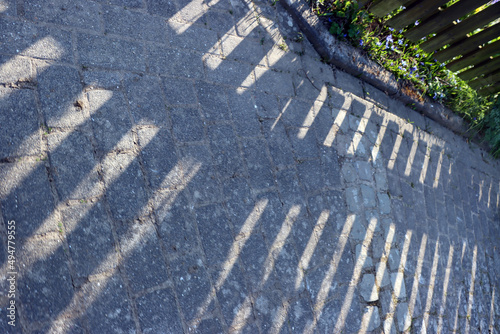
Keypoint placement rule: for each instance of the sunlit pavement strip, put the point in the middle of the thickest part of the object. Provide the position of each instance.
(192, 166)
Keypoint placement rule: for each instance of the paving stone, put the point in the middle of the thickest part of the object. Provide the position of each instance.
(266, 306)
(239, 203)
(310, 175)
(353, 199)
(229, 72)
(286, 271)
(166, 9)
(212, 325)
(258, 164)
(246, 25)
(187, 124)
(176, 222)
(267, 105)
(221, 21)
(107, 307)
(195, 13)
(303, 147)
(394, 185)
(349, 172)
(89, 238)
(289, 186)
(157, 311)
(159, 158)
(15, 69)
(213, 100)
(179, 91)
(394, 259)
(60, 89)
(255, 256)
(430, 203)
(403, 316)
(242, 49)
(8, 7)
(300, 316)
(384, 203)
(272, 82)
(279, 145)
(369, 199)
(97, 51)
(202, 179)
(364, 170)
(378, 246)
(19, 136)
(295, 113)
(193, 37)
(363, 257)
(192, 285)
(389, 327)
(330, 166)
(124, 22)
(125, 3)
(323, 122)
(289, 60)
(80, 13)
(368, 289)
(27, 186)
(333, 311)
(43, 282)
(348, 83)
(231, 292)
(145, 100)
(110, 121)
(140, 249)
(216, 236)
(382, 275)
(330, 280)
(371, 318)
(102, 79)
(242, 107)
(73, 325)
(69, 151)
(125, 186)
(398, 284)
(358, 230)
(171, 62)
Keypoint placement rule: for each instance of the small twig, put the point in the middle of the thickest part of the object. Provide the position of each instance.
(319, 90)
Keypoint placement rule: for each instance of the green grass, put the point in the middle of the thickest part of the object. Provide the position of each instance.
(413, 66)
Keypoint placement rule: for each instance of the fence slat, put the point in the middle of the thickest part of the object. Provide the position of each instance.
(459, 31)
(420, 11)
(382, 8)
(442, 19)
(469, 44)
(490, 89)
(475, 57)
(484, 68)
(362, 3)
(484, 81)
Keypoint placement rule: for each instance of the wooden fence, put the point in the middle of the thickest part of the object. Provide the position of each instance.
(450, 31)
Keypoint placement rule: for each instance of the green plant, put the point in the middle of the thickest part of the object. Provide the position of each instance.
(492, 125)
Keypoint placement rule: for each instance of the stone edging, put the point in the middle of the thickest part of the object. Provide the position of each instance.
(351, 60)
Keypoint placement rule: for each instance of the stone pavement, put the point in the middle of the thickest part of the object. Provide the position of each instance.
(192, 167)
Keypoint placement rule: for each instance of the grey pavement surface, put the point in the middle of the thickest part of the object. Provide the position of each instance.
(193, 167)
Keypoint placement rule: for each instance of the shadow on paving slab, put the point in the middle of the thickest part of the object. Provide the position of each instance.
(183, 167)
